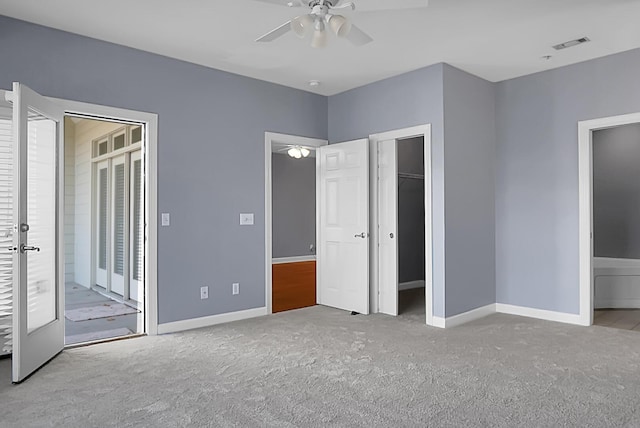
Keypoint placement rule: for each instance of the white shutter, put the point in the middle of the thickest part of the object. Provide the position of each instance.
(6, 239)
(119, 219)
(137, 221)
(102, 219)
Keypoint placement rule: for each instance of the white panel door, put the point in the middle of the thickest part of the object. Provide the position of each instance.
(388, 227)
(38, 276)
(343, 238)
(119, 225)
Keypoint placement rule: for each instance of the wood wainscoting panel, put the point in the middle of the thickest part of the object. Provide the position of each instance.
(293, 285)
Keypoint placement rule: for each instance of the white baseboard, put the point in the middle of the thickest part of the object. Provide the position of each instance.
(438, 322)
(522, 311)
(173, 327)
(539, 313)
(410, 285)
(464, 317)
(618, 304)
(294, 259)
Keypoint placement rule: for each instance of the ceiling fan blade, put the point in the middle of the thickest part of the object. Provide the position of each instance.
(358, 37)
(286, 3)
(366, 5)
(275, 33)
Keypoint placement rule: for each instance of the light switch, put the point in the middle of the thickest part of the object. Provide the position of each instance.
(166, 219)
(246, 219)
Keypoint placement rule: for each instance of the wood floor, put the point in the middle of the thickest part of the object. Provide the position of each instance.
(624, 319)
(294, 285)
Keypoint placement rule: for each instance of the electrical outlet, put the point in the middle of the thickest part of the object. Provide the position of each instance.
(235, 288)
(204, 292)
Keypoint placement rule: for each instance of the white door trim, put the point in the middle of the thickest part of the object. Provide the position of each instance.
(415, 131)
(585, 205)
(269, 139)
(150, 150)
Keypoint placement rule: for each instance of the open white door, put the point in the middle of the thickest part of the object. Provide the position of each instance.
(388, 227)
(343, 237)
(38, 278)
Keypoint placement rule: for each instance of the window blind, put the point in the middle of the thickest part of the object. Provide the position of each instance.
(6, 237)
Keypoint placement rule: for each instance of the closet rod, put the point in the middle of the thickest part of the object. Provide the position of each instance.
(410, 176)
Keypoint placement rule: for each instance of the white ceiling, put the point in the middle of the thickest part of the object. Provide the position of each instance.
(494, 39)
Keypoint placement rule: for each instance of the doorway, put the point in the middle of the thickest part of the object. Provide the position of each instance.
(609, 204)
(32, 182)
(104, 226)
(411, 228)
(401, 209)
(291, 200)
(342, 221)
(616, 227)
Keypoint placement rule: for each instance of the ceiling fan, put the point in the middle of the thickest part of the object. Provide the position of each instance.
(296, 151)
(321, 16)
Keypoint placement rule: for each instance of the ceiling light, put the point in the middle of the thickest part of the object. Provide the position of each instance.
(298, 152)
(300, 25)
(314, 83)
(294, 153)
(339, 25)
(319, 39)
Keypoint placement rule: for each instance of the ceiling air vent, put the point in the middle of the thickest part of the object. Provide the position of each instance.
(571, 43)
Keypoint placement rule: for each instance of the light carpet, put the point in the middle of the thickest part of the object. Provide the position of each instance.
(104, 310)
(323, 367)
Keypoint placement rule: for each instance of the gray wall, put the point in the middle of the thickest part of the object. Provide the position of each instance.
(470, 140)
(411, 211)
(402, 101)
(616, 192)
(537, 174)
(461, 110)
(293, 205)
(211, 152)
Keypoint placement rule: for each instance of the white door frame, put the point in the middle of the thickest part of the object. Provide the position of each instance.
(150, 152)
(270, 138)
(585, 205)
(415, 131)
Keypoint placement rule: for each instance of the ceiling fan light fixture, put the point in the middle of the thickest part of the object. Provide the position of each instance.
(319, 39)
(294, 152)
(298, 152)
(339, 25)
(300, 25)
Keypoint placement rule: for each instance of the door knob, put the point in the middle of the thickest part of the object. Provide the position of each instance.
(25, 248)
(362, 235)
(391, 235)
